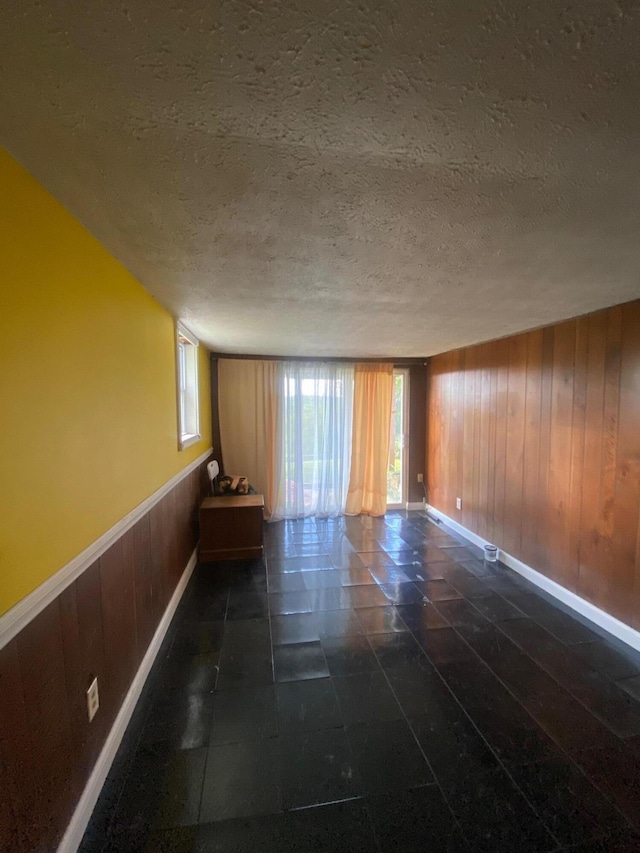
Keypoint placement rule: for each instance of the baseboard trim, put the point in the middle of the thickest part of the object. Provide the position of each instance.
(86, 804)
(601, 618)
(413, 505)
(14, 620)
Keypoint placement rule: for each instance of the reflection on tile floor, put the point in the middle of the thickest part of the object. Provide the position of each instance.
(373, 685)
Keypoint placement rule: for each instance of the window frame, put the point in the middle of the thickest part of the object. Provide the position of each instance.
(187, 387)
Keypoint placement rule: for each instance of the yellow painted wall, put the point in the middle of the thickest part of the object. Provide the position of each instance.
(88, 424)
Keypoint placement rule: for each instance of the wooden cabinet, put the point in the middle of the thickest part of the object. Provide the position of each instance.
(231, 528)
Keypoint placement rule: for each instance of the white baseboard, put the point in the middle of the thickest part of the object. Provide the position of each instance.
(14, 620)
(86, 804)
(463, 531)
(413, 505)
(599, 617)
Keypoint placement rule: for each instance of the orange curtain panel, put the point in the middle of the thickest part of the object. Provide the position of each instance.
(372, 401)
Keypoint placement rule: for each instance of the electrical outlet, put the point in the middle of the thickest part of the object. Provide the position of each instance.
(458, 503)
(93, 700)
(421, 478)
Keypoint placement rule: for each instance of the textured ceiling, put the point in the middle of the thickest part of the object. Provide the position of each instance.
(341, 178)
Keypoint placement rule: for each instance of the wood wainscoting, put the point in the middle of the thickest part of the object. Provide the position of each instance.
(539, 435)
(417, 431)
(100, 625)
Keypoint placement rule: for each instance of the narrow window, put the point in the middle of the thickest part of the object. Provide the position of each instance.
(187, 367)
(398, 441)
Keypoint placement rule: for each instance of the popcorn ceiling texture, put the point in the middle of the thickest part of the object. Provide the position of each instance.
(341, 178)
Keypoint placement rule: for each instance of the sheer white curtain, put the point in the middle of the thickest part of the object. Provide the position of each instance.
(314, 416)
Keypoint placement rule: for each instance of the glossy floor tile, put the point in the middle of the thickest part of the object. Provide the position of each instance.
(381, 620)
(567, 802)
(415, 821)
(388, 757)
(244, 714)
(317, 767)
(308, 705)
(283, 603)
(338, 623)
(299, 660)
(337, 826)
(373, 685)
(294, 628)
(349, 655)
(366, 697)
(241, 779)
(321, 580)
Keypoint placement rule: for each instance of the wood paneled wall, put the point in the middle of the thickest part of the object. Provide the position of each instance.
(417, 431)
(539, 434)
(215, 411)
(101, 625)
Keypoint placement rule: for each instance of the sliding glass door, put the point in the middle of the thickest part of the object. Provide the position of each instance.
(313, 446)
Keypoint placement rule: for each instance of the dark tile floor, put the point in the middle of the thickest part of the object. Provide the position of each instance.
(373, 685)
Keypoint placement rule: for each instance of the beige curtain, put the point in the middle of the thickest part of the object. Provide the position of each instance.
(372, 401)
(247, 403)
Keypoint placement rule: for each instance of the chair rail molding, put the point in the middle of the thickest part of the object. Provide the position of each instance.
(15, 619)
